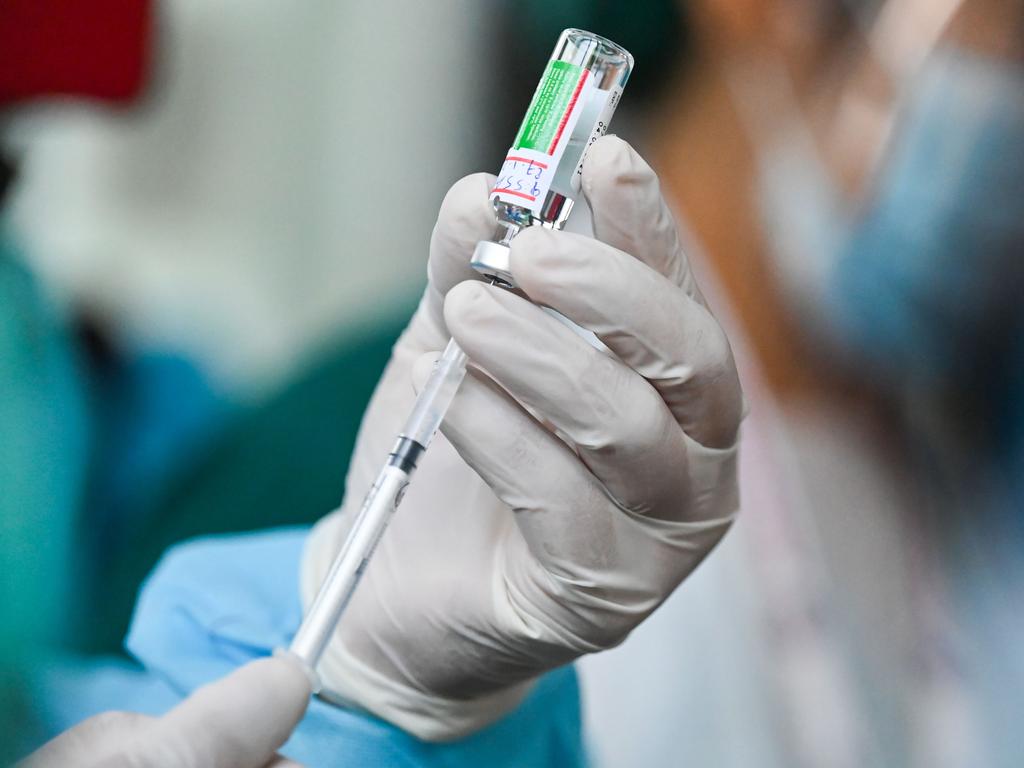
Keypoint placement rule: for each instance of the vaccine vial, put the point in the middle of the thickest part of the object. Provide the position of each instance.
(571, 108)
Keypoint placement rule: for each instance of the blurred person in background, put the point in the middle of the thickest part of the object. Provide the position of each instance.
(51, 50)
(44, 427)
(223, 269)
(852, 175)
(923, 302)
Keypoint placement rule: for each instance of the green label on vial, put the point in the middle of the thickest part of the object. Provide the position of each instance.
(552, 101)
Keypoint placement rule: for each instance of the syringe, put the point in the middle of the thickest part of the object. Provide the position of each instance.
(537, 185)
(383, 498)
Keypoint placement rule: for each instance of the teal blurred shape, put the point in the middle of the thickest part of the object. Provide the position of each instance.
(43, 460)
(279, 462)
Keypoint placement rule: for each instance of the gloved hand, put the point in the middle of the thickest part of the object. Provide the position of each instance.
(237, 722)
(572, 490)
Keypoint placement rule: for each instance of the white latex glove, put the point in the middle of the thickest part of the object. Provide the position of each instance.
(237, 722)
(517, 549)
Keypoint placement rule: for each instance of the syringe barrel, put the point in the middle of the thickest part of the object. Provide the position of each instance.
(436, 396)
(347, 569)
(378, 506)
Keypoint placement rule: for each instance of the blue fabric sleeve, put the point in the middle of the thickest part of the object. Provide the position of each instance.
(216, 603)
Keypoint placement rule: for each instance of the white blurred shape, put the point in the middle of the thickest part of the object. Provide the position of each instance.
(275, 187)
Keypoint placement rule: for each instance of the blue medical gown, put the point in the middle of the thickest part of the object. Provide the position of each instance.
(216, 603)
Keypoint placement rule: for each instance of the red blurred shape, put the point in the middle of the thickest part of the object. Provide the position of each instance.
(96, 49)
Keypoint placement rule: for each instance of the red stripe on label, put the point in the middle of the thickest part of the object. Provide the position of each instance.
(512, 192)
(526, 160)
(565, 117)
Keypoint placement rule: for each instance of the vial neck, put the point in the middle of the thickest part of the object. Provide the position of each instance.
(511, 229)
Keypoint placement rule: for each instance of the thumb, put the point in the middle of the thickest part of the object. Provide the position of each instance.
(237, 722)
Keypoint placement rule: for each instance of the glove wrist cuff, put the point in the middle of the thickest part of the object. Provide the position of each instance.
(349, 682)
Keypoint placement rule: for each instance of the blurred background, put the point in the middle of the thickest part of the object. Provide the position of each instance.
(215, 221)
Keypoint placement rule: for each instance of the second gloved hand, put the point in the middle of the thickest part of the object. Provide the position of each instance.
(236, 722)
(571, 491)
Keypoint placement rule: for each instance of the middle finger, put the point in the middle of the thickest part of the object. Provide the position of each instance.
(651, 323)
(617, 421)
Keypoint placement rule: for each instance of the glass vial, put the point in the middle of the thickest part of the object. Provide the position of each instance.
(571, 108)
